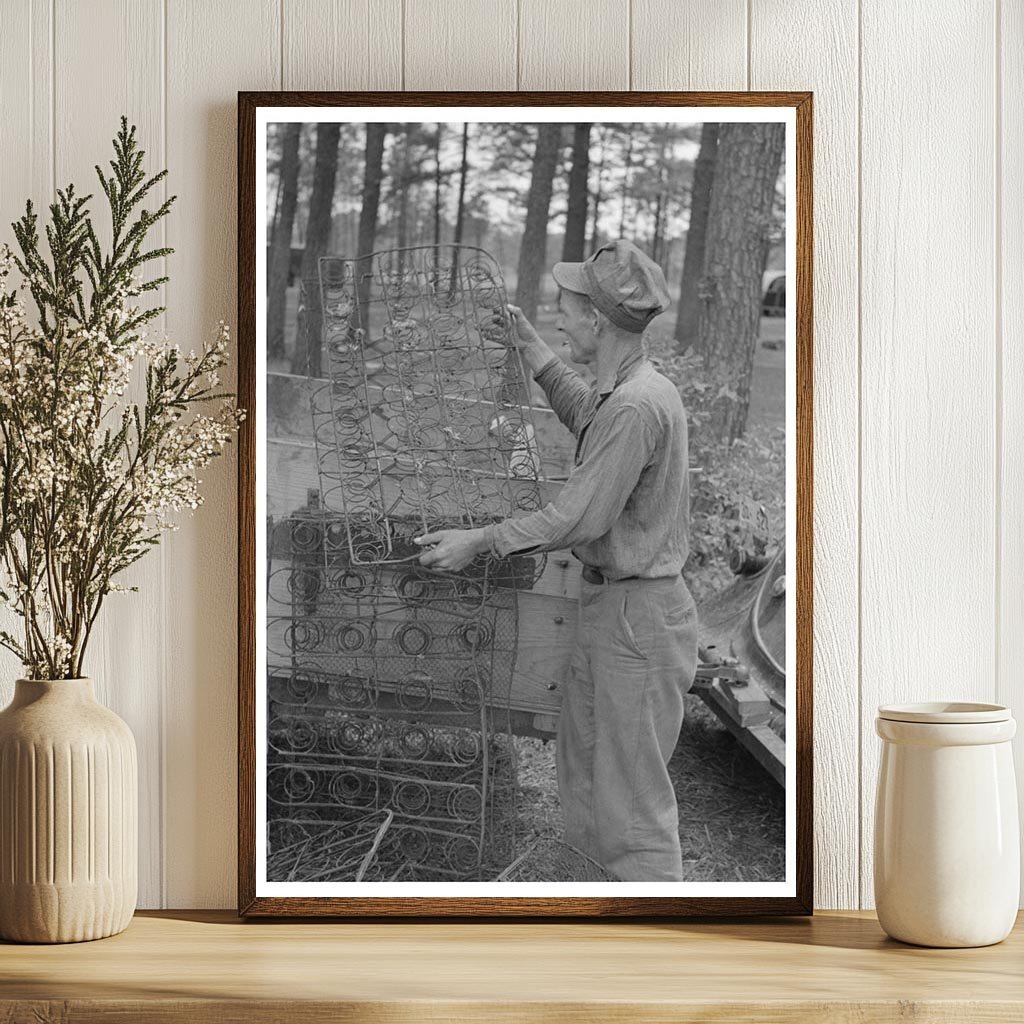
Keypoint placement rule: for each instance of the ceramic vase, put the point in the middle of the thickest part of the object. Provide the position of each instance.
(947, 846)
(68, 815)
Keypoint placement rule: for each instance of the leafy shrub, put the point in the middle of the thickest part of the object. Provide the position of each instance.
(738, 494)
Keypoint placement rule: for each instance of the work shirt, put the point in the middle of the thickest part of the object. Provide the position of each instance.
(625, 507)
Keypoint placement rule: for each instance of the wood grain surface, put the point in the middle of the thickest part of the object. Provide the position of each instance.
(466, 45)
(927, 383)
(920, 408)
(575, 44)
(1009, 273)
(341, 44)
(212, 44)
(702, 44)
(208, 966)
(128, 669)
(832, 75)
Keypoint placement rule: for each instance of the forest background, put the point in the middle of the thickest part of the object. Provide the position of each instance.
(706, 201)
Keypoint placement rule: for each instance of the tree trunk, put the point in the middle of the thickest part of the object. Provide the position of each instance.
(576, 210)
(739, 225)
(460, 209)
(696, 238)
(437, 187)
(401, 185)
(533, 249)
(373, 172)
(661, 204)
(595, 237)
(281, 241)
(306, 358)
(625, 183)
(460, 212)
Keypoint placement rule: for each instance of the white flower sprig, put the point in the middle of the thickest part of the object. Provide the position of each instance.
(89, 478)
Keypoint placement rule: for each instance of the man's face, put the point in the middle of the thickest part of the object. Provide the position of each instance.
(576, 320)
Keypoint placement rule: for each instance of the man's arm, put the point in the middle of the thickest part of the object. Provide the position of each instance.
(566, 390)
(593, 497)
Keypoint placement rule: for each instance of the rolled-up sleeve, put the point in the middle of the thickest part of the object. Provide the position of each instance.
(619, 447)
(567, 392)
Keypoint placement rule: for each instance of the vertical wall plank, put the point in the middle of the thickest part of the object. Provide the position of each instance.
(26, 101)
(342, 44)
(928, 406)
(123, 658)
(830, 70)
(213, 51)
(1011, 316)
(26, 107)
(574, 44)
(929, 310)
(700, 44)
(460, 44)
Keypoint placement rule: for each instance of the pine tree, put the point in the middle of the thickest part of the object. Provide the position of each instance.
(739, 231)
(696, 238)
(533, 250)
(308, 342)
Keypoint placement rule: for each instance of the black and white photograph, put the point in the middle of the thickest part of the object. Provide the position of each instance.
(524, 500)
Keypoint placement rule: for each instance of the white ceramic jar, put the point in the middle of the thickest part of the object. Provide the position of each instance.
(947, 846)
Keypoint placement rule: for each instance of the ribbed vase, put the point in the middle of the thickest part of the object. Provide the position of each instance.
(68, 815)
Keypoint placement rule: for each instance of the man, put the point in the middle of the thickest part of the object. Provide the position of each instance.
(624, 513)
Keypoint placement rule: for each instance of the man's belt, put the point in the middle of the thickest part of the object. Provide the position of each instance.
(592, 575)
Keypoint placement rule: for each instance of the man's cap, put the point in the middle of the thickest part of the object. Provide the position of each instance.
(622, 281)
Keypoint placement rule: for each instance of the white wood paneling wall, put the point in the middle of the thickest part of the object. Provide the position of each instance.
(919, 324)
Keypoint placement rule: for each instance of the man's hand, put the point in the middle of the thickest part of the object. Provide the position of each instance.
(533, 348)
(452, 550)
(526, 333)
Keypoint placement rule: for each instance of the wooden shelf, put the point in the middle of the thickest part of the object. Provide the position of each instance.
(208, 966)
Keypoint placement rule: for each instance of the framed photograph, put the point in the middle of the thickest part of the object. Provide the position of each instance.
(525, 504)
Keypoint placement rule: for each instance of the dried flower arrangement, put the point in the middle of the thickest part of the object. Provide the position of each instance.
(90, 477)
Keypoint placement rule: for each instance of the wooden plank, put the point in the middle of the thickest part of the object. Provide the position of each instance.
(213, 51)
(342, 44)
(700, 44)
(125, 656)
(209, 967)
(831, 72)
(26, 70)
(234, 1011)
(460, 44)
(26, 118)
(574, 44)
(1010, 261)
(546, 631)
(928, 405)
(766, 746)
(561, 575)
(746, 705)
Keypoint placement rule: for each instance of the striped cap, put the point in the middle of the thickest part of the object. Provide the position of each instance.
(622, 281)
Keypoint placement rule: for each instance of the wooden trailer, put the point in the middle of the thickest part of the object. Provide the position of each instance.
(741, 675)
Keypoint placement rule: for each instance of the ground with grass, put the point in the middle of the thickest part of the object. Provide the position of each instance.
(731, 813)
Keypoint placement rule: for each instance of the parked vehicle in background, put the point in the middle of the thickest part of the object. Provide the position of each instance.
(773, 302)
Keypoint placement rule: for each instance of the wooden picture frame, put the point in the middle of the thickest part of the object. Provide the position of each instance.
(253, 899)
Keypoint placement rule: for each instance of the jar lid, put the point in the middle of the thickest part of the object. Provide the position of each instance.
(945, 712)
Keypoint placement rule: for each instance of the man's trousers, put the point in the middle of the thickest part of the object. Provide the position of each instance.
(622, 708)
